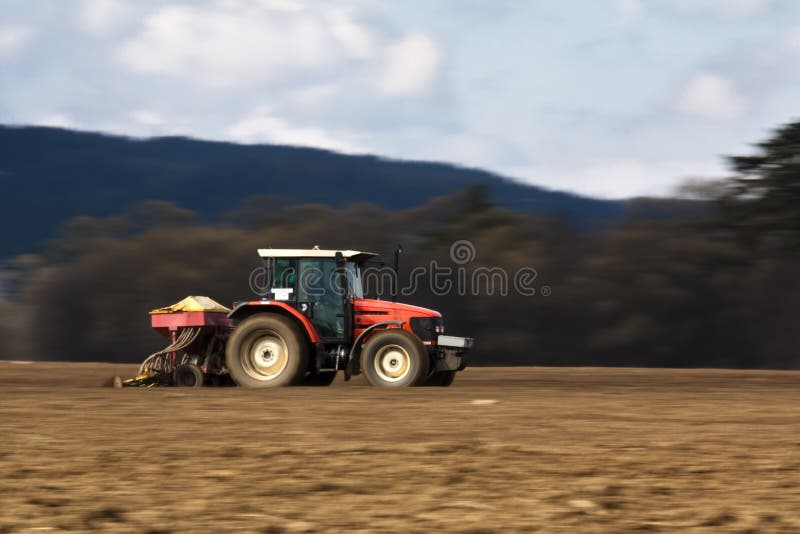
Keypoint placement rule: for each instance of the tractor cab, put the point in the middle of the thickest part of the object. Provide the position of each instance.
(319, 284)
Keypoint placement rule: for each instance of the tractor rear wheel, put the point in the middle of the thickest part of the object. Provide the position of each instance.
(395, 358)
(441, 379)
(267, 350)
(324, 378)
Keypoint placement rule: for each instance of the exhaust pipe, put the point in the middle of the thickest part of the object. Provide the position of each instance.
(396, 267)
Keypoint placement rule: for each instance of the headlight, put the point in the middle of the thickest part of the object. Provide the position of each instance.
(427, 328)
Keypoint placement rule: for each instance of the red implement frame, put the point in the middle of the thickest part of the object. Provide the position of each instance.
(168, 325)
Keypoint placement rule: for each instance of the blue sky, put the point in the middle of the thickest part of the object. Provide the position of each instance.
(611, 98)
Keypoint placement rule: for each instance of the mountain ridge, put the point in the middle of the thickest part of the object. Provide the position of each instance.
(53, 174)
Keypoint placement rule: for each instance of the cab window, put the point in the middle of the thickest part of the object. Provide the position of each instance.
(284, 279)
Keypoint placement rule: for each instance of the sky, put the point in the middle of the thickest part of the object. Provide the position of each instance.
(608, 98)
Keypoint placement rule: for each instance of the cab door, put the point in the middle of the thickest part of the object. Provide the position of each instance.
(319, 298)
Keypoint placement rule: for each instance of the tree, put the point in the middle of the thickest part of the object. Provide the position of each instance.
(763, 200)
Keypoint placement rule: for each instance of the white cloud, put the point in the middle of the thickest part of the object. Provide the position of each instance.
(12, 39)
(55, 120)
(264, 126)
(282, 5)
(355, 38)
(728, 8)
(315, 95)
(792, 40)
(630, 11)
(711, 96)
(235, 43)
(743, 7)
(102, 17)
(623, 178)
(411, 66)
(147, 118)
(222, 47)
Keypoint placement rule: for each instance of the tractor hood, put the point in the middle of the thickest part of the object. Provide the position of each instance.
(392, 310)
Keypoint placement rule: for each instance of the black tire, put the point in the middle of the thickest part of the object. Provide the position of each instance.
(441, 379)
(395, 358)
(324, 378)
(267, 350)
(188, 376)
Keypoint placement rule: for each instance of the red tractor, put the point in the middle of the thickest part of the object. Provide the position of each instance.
(315, 323)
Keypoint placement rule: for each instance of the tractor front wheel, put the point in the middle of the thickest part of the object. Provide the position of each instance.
(395, 358)
(267, 350)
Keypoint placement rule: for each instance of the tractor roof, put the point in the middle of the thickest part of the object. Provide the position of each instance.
(315, 252)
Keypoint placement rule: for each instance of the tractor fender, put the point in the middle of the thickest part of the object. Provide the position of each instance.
(246, 309)
(353, 366)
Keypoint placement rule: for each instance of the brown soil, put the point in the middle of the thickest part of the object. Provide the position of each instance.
(502, 450)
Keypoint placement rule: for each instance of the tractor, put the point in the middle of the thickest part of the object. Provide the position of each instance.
(312, 323)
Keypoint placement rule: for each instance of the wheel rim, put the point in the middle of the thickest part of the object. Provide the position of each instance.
(392, 363)
(266, 357)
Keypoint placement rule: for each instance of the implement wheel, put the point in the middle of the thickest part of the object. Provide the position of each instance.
(395, 358)
(189, 376)
(267, 350)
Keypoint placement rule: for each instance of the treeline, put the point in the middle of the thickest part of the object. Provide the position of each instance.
(716, 288)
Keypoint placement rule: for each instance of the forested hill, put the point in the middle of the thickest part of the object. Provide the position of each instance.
(50, 175)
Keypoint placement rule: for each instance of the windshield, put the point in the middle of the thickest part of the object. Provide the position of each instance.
(319, 278)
